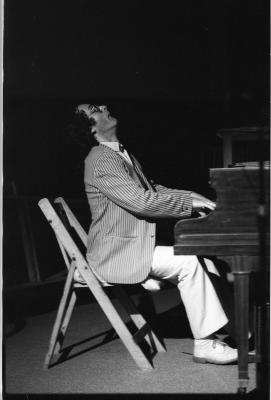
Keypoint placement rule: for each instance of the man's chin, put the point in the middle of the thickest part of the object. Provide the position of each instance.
(111, 127)
(113, 123)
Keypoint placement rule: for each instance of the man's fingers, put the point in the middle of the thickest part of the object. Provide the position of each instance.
(201, 204)
(209, 205)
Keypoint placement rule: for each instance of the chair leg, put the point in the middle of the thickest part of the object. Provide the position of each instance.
(65, 323)
(116, 321)
(61, 316)
(139, 320)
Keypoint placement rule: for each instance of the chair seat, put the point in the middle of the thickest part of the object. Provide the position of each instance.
(79, 280)
(77, 284)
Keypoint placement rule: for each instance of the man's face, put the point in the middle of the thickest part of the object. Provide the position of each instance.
(104, 122)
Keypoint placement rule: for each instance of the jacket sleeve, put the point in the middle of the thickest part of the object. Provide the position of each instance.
(112, 179)
(165, 190)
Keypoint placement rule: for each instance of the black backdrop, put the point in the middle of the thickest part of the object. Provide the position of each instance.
(172, 73)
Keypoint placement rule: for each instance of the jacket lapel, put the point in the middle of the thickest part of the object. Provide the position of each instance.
(140, 172)
(133, 170)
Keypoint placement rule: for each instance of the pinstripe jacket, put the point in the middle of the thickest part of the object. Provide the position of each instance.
(121, 237)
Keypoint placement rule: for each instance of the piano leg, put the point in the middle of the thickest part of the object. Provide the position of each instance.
(241, 294)
(263, 349)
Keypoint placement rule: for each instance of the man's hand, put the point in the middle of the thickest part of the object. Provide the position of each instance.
(200, 202)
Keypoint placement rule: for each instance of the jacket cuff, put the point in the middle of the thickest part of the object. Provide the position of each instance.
(187, 202)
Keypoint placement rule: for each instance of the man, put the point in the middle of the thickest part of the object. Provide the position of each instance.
(121, 241)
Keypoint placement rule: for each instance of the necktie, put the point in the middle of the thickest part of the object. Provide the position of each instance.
(143, 183)
(141, 179)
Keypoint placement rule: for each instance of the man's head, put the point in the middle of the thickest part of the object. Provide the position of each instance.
(99, 121)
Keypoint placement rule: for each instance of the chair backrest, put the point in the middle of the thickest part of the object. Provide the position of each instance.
(60, 231)
(66, 242)
(67, 213)
(70, 251)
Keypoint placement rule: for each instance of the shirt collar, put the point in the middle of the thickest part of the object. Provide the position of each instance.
(113, 145)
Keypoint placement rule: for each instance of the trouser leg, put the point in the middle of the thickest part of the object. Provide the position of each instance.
(202, 305)
(225, 295)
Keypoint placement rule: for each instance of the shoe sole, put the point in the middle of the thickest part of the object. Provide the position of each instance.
(203, 360)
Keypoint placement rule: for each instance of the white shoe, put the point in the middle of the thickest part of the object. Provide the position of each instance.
(213, 351)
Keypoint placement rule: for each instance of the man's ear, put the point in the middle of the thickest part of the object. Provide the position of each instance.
(96, 137)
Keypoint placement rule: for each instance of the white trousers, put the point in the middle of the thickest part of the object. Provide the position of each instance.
(203, 308)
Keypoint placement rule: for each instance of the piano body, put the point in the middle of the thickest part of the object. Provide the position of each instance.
(236, 232)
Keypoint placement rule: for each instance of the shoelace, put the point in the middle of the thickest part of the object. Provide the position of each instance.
(217, 341)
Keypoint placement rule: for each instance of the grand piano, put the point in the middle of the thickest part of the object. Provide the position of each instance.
(237, 232)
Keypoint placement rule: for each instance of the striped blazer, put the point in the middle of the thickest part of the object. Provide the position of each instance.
(121, 237)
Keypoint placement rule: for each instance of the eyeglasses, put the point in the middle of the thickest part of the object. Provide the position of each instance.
(93, 108)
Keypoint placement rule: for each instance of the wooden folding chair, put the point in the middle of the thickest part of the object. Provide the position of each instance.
(75, 260)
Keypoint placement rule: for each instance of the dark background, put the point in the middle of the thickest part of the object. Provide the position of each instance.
(173, 73)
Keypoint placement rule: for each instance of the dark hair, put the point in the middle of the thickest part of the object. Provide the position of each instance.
(78, 131)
